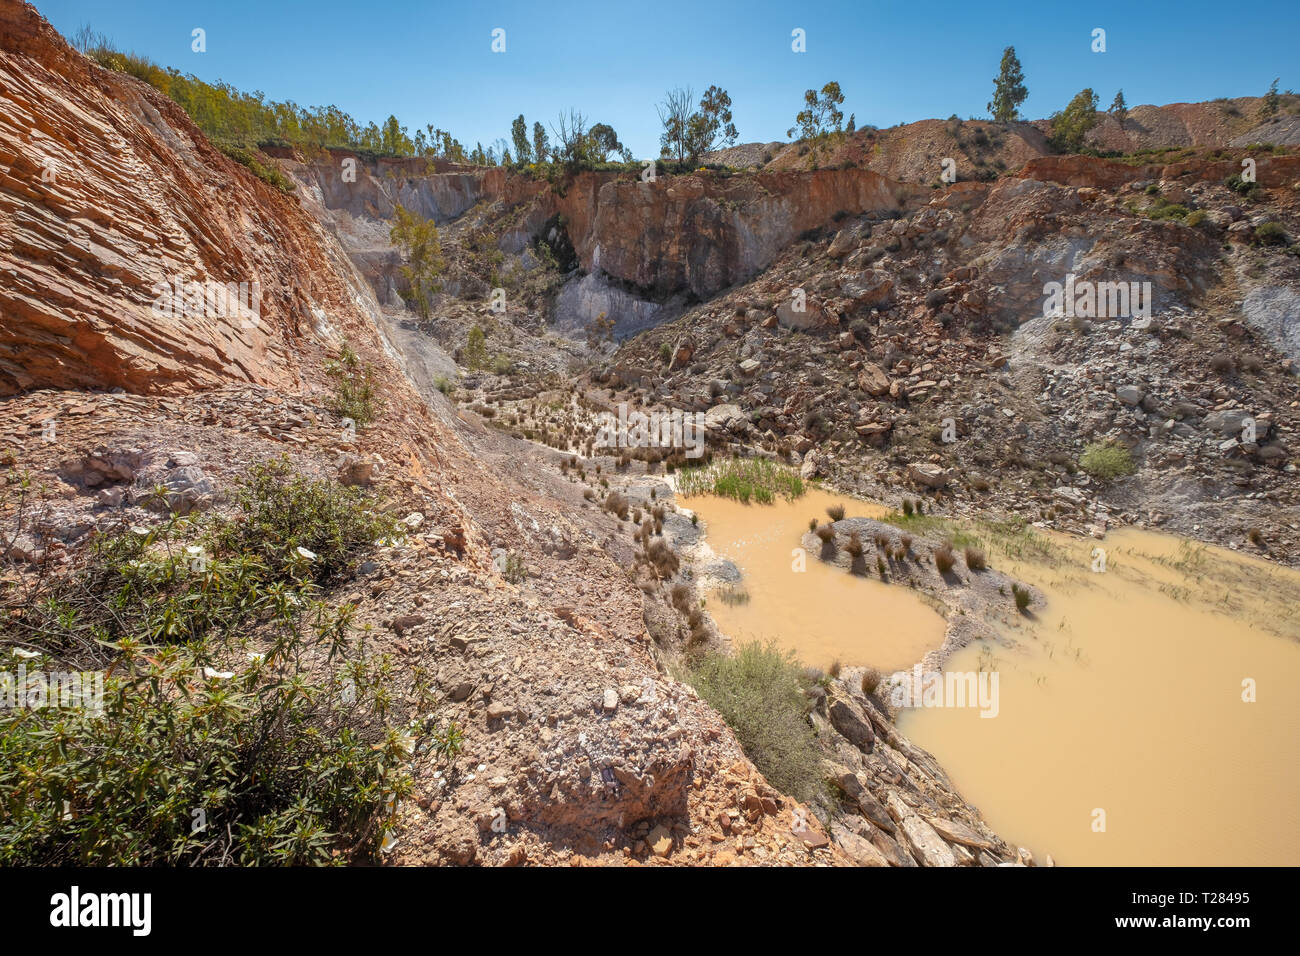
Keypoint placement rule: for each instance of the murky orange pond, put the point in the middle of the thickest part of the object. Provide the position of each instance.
(1148, 714)
(822, 613)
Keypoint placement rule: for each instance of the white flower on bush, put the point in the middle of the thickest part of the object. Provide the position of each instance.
(214, 674)
(306, 555)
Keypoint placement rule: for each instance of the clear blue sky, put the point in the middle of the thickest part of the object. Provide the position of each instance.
(431, 62)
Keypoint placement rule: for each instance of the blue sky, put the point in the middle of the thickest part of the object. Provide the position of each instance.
(431, 62)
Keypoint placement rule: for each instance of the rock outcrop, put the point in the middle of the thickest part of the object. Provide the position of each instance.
(112, 201)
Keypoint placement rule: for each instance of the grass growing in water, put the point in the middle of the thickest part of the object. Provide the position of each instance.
(744, 479)
(760, 692)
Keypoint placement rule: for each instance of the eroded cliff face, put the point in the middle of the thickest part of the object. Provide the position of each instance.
(112, 201)
(639, 244)
(702, 234)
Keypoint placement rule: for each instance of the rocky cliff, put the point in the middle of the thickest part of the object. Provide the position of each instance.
(586, 751)
(112, 202)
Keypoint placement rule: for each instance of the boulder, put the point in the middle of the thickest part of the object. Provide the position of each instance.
(873, 380)
(812, 316)
(956, 832)
(1129, 394)
(1230, 421)
(724, 417)
(868, 289)
(932, 476)
(847, 718)
(926, 843)
(858, 849)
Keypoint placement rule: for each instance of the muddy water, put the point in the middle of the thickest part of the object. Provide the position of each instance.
(823, 613)
(1124, 695)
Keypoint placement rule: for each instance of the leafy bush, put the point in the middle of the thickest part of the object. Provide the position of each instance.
(356, 390)
(283, 512)
(1270, 234)
(268, 172)
(202, 752)
(1106, 460)
(760, 693)
(268, 768)
(1242, 187)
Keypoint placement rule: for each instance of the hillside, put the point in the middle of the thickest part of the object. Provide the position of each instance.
(544, 595)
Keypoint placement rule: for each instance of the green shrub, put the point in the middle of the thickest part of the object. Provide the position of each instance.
(1195, 218)
(356, 390)
(269, 174)
(475, 353)
(282, 511)
(760, 692)
(514, 569)
(204, 753)
(1106, 460)
(1242, 187)
(1270, 234)
(275, 768)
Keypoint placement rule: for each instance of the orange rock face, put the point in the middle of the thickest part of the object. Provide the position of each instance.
(110, 201)
(704, 233)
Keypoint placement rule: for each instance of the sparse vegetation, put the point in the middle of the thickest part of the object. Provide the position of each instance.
(1107, 461)
(760, 691)
(744, 479)
(854, 547)
(1022, 596)
(289, 754)
(944, 558)
(355, 385)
